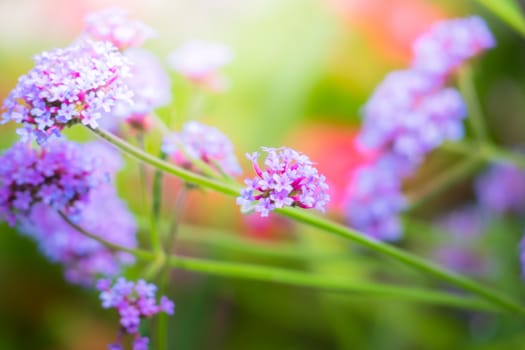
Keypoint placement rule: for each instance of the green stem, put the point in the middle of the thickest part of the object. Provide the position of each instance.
(475, 115)
(486, 152)
(334, 284)
(406, 258)
(162, 321)
(156, 242)
(442, 182)
(141, 254)
(328, 226)
(301, 279)
(186, 175)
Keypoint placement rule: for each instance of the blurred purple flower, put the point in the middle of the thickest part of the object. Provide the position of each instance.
(115, 26)
(200, 62)
(408, 116)
(60, 175)
(450, 43)
(501, 188)
(68, 86)
(134, 302)
(289, 180)
(85, 259)
(202, 142)
(151, 88)
(373, 202)
(458, 247)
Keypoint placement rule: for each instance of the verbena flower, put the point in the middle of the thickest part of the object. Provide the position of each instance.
(85, 259)
(374, 201)
(134, 302)
(200, 62)
(151, 88)
(501, 188)
(202, 142)
(458, 245)
(68, 86)
(290, 179)
(115, 26)
(450, 43)
(60, 175)
(409, 115)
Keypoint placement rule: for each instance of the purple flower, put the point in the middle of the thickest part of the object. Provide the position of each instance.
(83, 258)
(134, 302)
(450, 43)
(115, 26)
(200, 62)
(141, 343)
(458, 246)
(409, 115)
(501, 188)
(151, 87)
(60, 175)
(289, 180)
(373, 202)
(68, 86)
(203, 142)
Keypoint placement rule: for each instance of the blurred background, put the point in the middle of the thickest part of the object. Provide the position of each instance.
(302, 71)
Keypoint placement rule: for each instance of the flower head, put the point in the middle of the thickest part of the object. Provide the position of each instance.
(115, 26)
(409, 115)
(450, 43)
(289, 180)
(68, 86)
(61, 175)
(203, 142)
(134, 302)
(374, 200)
(200, 62)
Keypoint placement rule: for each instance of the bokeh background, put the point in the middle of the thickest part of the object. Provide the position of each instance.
(301, 73)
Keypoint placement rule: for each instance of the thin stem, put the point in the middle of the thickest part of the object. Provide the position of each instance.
(156, 242)
(162, 321)
(142, 173)
(186, 175)
(475, 114)
(334, 284)
(442, 182)
(141, 254)
(486, 152)
(328, 226)
(406, 258)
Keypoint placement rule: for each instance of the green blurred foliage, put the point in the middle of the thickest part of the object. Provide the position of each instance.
(296, 62)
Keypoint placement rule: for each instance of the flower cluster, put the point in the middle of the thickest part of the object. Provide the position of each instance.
(502, 189)
(200, 62)
(151, 88)
(449, 43)
(412, 112)
(68, 86)
(84, 258)
(375, 199)
(203, 142)
(115, 26)
(134, 302)
(61, 175)
(289, 180)
(409, 115)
